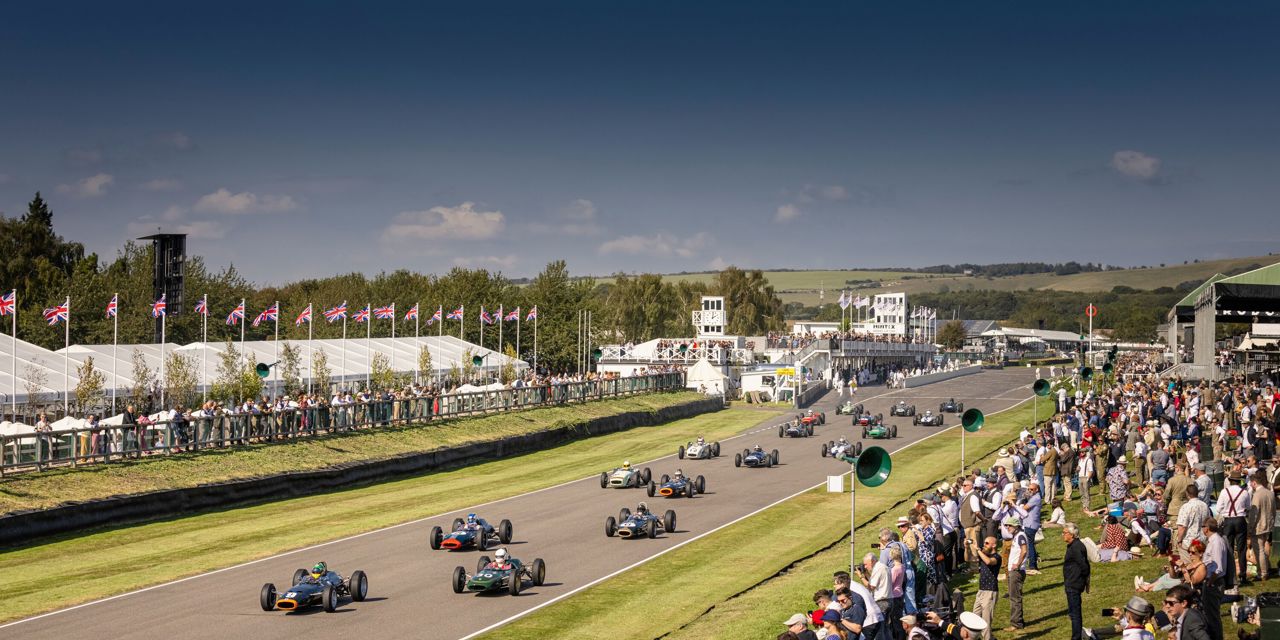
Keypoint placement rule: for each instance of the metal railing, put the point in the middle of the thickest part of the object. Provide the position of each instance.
(111, 443)
(673, 355)
(870, 347)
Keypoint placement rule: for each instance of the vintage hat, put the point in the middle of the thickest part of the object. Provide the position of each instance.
(972, 621)
(1012, 521)
(904, 521)
(1003, 452)
(797, 618)
(1140, 606)
(1122, 459)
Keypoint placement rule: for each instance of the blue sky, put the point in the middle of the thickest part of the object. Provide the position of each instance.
(306, 139)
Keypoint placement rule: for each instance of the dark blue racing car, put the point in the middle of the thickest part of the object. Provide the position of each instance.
(756, 457)
(318, 586)
(681, 485)
(472, 532)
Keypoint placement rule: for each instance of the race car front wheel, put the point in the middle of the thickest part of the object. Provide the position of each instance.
(330, 599)
(539, 571)
(459, 579)
(359, 586)
(268, 597)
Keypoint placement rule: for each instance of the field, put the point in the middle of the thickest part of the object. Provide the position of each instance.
(803, 286)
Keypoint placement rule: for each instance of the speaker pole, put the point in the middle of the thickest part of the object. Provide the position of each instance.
(853, 491)
(962, 432)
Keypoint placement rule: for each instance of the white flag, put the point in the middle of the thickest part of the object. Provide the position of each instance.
(844, 300)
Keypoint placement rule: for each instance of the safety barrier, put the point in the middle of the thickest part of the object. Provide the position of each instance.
(919, 381)
(113, 443)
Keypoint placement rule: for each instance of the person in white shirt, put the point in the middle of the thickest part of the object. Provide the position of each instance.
(1084, 473)
(1233, 509)
(1016, 570)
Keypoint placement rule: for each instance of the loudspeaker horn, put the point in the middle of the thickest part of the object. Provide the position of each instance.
(1041, 387)
(262, 369)
(1086, 373)
(1107, 369)
(972, 420)
(874, 466)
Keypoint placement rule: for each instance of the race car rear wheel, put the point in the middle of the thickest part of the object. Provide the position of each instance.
(267, 598)
(358, 586)
(436, 537)
(457, 524)
(669, 521)
(330, 599)
(648, 475)
(773, 457)
(690, 488)
(808, 432)
(604, 479)
(482, 540)
(715, 450)
(702, 484)
(504, 531)
(857, 449)
(653, 488)
(737, 459)
(680, 452)
(299, 575)
(664, 479)
(610, 526)
(481, 562)
(915, 420)
(539, 572)
(782, 431)
(893, 431)
(941, 420)
(623, 514)
(960, 408)
(459, 579)
(652, 530)
(825, 448)
(864, 432)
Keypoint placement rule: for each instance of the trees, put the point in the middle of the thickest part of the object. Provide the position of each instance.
(507, 373)
(291, 368)
(320, 372)
(381, 377)
(35, 380)
(951, 335)
(181, 379)
(558, 299)
(751, 304)
(424, 362)
(89, 389)
(144, 381)
(237, 381)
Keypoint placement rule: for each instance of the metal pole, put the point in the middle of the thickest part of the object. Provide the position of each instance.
(344, 343)
(13, 362)
(162, 376)
(115, 346)
(204, 349)
(393, 337)
(311, 374)
(853, 502)
(368, 347)
(275, 388)
(66, 362)
(962, 432)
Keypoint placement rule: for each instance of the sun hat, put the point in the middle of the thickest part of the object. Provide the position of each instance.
(796, 618)
(972, 621)
(909, 619)
(1012, 521)
(1003, 452)
(1140, 606)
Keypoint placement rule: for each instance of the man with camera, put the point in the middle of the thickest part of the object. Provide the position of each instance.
(984, 605)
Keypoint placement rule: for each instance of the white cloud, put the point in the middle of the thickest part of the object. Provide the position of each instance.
(1135, 164)
(462, 222)
(580, 210)
(161, 184)
(223, 201)
(176, 140)
(174, 213)
(91, 187)
(718, 264)
(173, 220)
(502, 262)
(661, 244)
(835, 192)
(786, 213)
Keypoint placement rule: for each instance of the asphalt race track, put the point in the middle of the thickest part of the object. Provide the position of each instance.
(409, 590)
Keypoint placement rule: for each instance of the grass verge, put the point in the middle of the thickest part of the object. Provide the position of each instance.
(63, 572)
(743, 580)
(50, 488)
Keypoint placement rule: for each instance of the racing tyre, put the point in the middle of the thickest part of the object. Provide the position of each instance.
(480, 563)
(652, 529)
(893, 431)
(604, 479)
(942, 407)
(504, 531)
(459, 579)
(358, 586)
(773, 457)
(941, 420)
(610, 526)
(864, 432)
(330, 599)
(680, 452)
(702, 484)
(648, 475)
(664, 479)
(623, 514)
(482, 541)
(737, 459)
(299, 575)
(653, 488)
(457, 524)
(514, 587)
(436, 536)
(539, 572)
(857, 449)
(715, 450)
(690, 488)
(669, 520)
(824, 450)
(960, 408)
(267, 598)
(809, 432)
(782, 431)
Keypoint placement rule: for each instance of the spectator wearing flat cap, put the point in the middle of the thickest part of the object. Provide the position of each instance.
(798, 625)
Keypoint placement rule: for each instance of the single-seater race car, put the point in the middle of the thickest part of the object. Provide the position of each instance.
(848, 408)
(756, 457)
(929, 418)
(880, 431)
(680, 485)
(868, 420)
(318, 586)
(641, 523)
(503, 573)
(902, 409)
(699, 450)
(472, 532)
(812, 418)
(951, 406)
(795, 429)
(625, 477)
(841, 447)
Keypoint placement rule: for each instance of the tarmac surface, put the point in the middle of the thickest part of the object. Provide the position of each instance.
(409, 584)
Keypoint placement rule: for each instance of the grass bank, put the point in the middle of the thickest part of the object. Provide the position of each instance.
(742, 580)
(64, 572)
(50, 488)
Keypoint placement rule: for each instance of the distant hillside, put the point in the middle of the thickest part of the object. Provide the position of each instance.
(803, 286)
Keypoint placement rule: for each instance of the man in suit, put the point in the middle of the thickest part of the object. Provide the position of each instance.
(1075, 577)
(1262, 514)
(1188, 622)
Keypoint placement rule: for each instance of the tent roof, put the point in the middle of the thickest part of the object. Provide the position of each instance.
(1269, 275)
(703, 371)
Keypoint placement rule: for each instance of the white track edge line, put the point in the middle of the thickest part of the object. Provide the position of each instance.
(698, 537)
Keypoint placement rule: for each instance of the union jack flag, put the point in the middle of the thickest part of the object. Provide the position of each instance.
(271, 313)
(456, 314)
(513, 315)
(437, 315)
(485, 317)
(304, 317)
(113, 305)
(337, 313)
(6, 302)
(158, 307)
(411, 314)
(362, 314)
(237, 314)
(202, 307)
(385, 313)
(533, 314)
(60, 313)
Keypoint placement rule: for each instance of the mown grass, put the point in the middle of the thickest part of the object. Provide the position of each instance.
(707, 588)
(50, 488)
(60, 573)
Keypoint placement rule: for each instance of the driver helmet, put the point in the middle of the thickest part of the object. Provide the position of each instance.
(679, 473)
(757, 448)
(319, 570)
(701, 440)
(471, 518)
(500, 556)
(626, 464)
(843, 441)
(642, 508)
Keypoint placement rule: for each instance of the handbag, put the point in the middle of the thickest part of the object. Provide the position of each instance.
(1039, 535)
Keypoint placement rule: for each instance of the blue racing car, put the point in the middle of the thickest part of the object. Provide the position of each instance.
(681, 485)
(472, 532)
(756, 457)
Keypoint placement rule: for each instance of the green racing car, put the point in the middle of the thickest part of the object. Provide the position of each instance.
(880, 431)
(502, 574)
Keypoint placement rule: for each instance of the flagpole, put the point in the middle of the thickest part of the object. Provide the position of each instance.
(462, 322)
(535, 343)
(204, 350)
(368, 345)
(115, 345)
(310, 346)
(163, 317)
(243, 321)
(417, 320)
(66, 363)
(502, 323)
(393, 337)
(344, 343)
(518, 311)
(275, 388)
(13, 363)
(480, 319)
